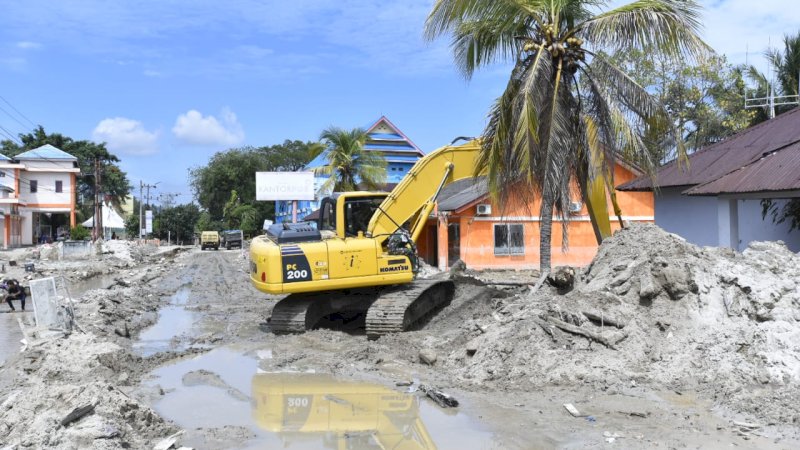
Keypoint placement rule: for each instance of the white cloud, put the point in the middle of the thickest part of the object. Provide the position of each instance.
(196, 129)
(126, 136)
(152, 73)
(27, 45)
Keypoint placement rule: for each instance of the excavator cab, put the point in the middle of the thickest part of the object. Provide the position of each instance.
(357, 210)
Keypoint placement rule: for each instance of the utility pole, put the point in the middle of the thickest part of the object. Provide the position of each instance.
(142, 186)
(97, 233)
(141, 203)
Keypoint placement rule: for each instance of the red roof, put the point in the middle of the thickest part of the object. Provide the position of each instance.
(720, 161)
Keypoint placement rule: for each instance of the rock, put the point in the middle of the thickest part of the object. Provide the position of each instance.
(562, 277)
(472, 347)
(428, 356)
(458, 267)
(648, 287)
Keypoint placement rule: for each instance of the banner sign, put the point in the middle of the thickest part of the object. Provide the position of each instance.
(148, 220)
(284, 186)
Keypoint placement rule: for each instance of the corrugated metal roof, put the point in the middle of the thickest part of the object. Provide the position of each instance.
(724, 157)
(776, 171)
(4, 157)
(46, 151)
(458, 194)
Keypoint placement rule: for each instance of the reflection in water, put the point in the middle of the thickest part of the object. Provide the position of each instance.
(345, 415)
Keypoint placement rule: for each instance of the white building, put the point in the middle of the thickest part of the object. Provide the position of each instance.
(715, 199)
(37, 195)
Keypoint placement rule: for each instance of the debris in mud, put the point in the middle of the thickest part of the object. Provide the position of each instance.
(668, 314)
(77, 414)
(573, 410)
(439, 397)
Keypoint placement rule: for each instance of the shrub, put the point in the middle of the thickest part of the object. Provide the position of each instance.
(78, 233)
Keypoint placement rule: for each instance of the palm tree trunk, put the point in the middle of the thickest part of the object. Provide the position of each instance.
(545, 231)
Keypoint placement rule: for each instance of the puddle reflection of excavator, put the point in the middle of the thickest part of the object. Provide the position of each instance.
(345, 415)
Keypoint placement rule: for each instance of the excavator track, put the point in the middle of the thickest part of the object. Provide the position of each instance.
(290, 314)
(297, 313)
(404, 307)
(388, 310)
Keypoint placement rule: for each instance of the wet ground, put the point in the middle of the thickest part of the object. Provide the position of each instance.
(10, 332)
(326, 389)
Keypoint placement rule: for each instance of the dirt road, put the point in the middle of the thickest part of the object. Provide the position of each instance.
(201, 361)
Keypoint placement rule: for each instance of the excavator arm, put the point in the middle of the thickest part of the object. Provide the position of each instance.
(414, 197)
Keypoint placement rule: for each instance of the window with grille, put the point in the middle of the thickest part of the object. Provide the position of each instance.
(59, 186)
(509, 239)
(34, 186)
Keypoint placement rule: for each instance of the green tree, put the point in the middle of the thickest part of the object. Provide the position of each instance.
(291, 155)
(240, 216)
(132, 226)
(349, 164)
(786, 64)
(177, 223)
(113, 181)
(705, 100)
(567, 111)
(235, 169)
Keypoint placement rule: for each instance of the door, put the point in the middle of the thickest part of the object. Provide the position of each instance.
(453, 243)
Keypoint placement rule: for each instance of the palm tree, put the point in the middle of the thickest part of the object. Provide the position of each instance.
(349, 165)
(786, 65)
(567, 112)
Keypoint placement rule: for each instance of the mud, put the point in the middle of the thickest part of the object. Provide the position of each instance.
(687, 347)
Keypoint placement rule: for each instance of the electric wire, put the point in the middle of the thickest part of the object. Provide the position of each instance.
(17, 111)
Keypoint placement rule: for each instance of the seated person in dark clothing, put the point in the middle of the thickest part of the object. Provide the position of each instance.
(15, 292)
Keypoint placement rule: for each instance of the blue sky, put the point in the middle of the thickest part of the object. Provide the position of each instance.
(167, 83)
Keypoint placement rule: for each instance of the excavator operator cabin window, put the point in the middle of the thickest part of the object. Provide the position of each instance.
(327, 219)
(357, 214)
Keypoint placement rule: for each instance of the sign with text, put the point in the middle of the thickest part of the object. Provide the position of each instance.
(284, 185)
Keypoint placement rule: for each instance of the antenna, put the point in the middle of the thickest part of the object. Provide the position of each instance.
(771, 100)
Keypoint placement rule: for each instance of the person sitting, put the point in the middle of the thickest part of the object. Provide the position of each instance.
(15, 292)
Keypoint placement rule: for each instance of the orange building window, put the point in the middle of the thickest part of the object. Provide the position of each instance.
(509, 239)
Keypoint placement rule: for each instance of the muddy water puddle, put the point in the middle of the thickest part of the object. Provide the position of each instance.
(174, 323)
(303, 410)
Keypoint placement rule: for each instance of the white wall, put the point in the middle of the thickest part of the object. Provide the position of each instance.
(695, 219)
(26, 234)
(46, 189)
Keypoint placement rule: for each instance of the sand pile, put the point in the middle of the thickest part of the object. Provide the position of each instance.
(652, 309)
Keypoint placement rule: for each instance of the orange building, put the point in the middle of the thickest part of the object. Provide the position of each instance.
(470, 227)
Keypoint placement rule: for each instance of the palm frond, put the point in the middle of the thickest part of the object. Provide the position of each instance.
(667, 26)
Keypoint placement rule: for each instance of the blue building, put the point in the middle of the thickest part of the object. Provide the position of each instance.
(398, 150)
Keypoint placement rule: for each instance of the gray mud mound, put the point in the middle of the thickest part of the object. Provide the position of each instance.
(653, 309)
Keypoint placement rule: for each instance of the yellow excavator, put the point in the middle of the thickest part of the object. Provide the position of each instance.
(345, 415)
(361, 253)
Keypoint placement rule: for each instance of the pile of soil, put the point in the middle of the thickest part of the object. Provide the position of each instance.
(651, 309)
(92, 367)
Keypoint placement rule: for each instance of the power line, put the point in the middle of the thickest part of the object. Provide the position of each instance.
(10, 135)
(17, 111)
(24, 127)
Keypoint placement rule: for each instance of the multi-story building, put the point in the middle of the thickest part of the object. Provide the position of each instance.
(383, 137)
(37, 195)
